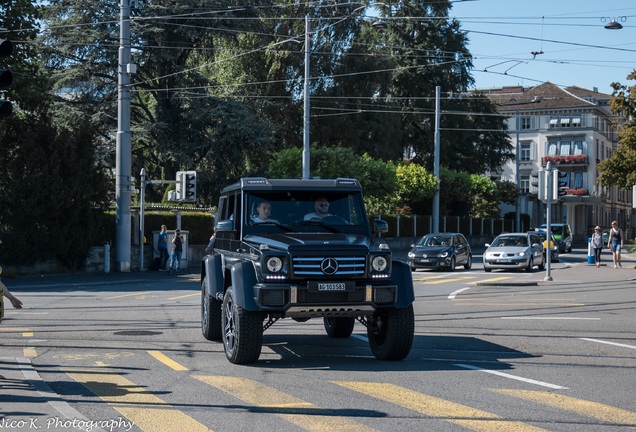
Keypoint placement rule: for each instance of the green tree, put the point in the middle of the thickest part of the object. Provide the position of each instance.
(414, 184)
(378, 178)
(620, 168)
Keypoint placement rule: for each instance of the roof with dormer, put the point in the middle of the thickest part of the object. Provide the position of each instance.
(546, 96)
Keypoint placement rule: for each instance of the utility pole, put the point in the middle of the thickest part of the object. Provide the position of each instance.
(306, 105)
(123, 170)
(436, 160)
(518, 179)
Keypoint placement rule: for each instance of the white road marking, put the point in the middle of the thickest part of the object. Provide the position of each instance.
(454, 294)
(609, 343)
(505, 375)
(549, 318)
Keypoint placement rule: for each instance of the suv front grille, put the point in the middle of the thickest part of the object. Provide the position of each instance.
(313, 266)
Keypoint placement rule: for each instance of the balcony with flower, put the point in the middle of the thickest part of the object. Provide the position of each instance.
(576, 191)
(580, 159)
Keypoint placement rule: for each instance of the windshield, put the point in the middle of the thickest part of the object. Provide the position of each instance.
(298, 210)
(510, 240)
(436, 240)
(556, 230)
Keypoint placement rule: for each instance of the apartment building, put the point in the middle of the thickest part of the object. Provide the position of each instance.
(574, 129)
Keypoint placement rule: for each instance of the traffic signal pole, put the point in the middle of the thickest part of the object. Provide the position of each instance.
(548, 216)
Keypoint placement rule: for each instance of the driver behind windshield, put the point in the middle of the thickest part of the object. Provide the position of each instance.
(321, 210)
(264, 210)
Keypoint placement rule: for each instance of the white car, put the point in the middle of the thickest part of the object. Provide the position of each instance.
(515, 251)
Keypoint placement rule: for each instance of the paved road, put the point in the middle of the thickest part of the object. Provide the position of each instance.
(31, 404)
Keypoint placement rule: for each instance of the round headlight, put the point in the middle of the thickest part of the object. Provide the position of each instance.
(379, 263)
(443, 254)
(274, 264)
(411, 255)
(522, 254)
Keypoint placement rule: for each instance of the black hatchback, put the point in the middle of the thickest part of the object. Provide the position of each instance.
(441, 250)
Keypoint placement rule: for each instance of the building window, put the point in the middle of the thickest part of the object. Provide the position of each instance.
(565, 148)
(525, 154)
(565, 121)
(526, 123)
(578, 180)
(578, 147)
(525, 184)
(576, 121)
(554, 122)
(552, 149)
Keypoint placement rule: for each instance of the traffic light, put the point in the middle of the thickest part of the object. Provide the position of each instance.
(541, 185)
(190, 186)
(559, 184)
(179, 195)
(186, 186)
(6, 77)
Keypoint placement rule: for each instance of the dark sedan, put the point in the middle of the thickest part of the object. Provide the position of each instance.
(443, 250)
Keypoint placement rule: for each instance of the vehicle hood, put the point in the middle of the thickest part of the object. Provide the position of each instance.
(430, 249)
(296, 241)
(507, 249)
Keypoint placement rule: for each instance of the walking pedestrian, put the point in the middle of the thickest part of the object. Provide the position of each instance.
(4, 292)
(597, 245)
(615, 243)
(177, 249)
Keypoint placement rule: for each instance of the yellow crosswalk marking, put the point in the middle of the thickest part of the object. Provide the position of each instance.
(462, 415)
(490, 280)
(424, 278)
(446, 280)
(29, 352)
(167, 361)
(302, 414)
(147, 411)
(184, 296)
(127, 295)
(586, 408)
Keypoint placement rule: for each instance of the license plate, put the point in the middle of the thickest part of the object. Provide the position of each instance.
(503, 261)
(332, 286)
(425, 260)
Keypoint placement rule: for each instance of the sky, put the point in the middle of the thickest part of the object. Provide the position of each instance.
(519, 42)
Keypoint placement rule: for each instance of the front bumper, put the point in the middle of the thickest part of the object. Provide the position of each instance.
(429, 262)
(507, 263)
(298, 301)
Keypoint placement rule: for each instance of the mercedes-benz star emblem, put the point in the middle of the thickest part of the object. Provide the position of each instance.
(329, 266)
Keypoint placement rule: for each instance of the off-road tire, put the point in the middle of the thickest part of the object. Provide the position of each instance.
(210, 314)
(242, 331)
(339, 327)
(469, 262)
(390, 333)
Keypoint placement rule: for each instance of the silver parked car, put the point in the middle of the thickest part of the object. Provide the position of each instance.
(517, 251)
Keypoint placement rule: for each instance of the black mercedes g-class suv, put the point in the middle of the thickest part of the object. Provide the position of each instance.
(302, 249)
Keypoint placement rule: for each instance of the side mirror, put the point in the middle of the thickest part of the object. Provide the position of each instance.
(224, 226)
(487, 244)
(380, 226)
